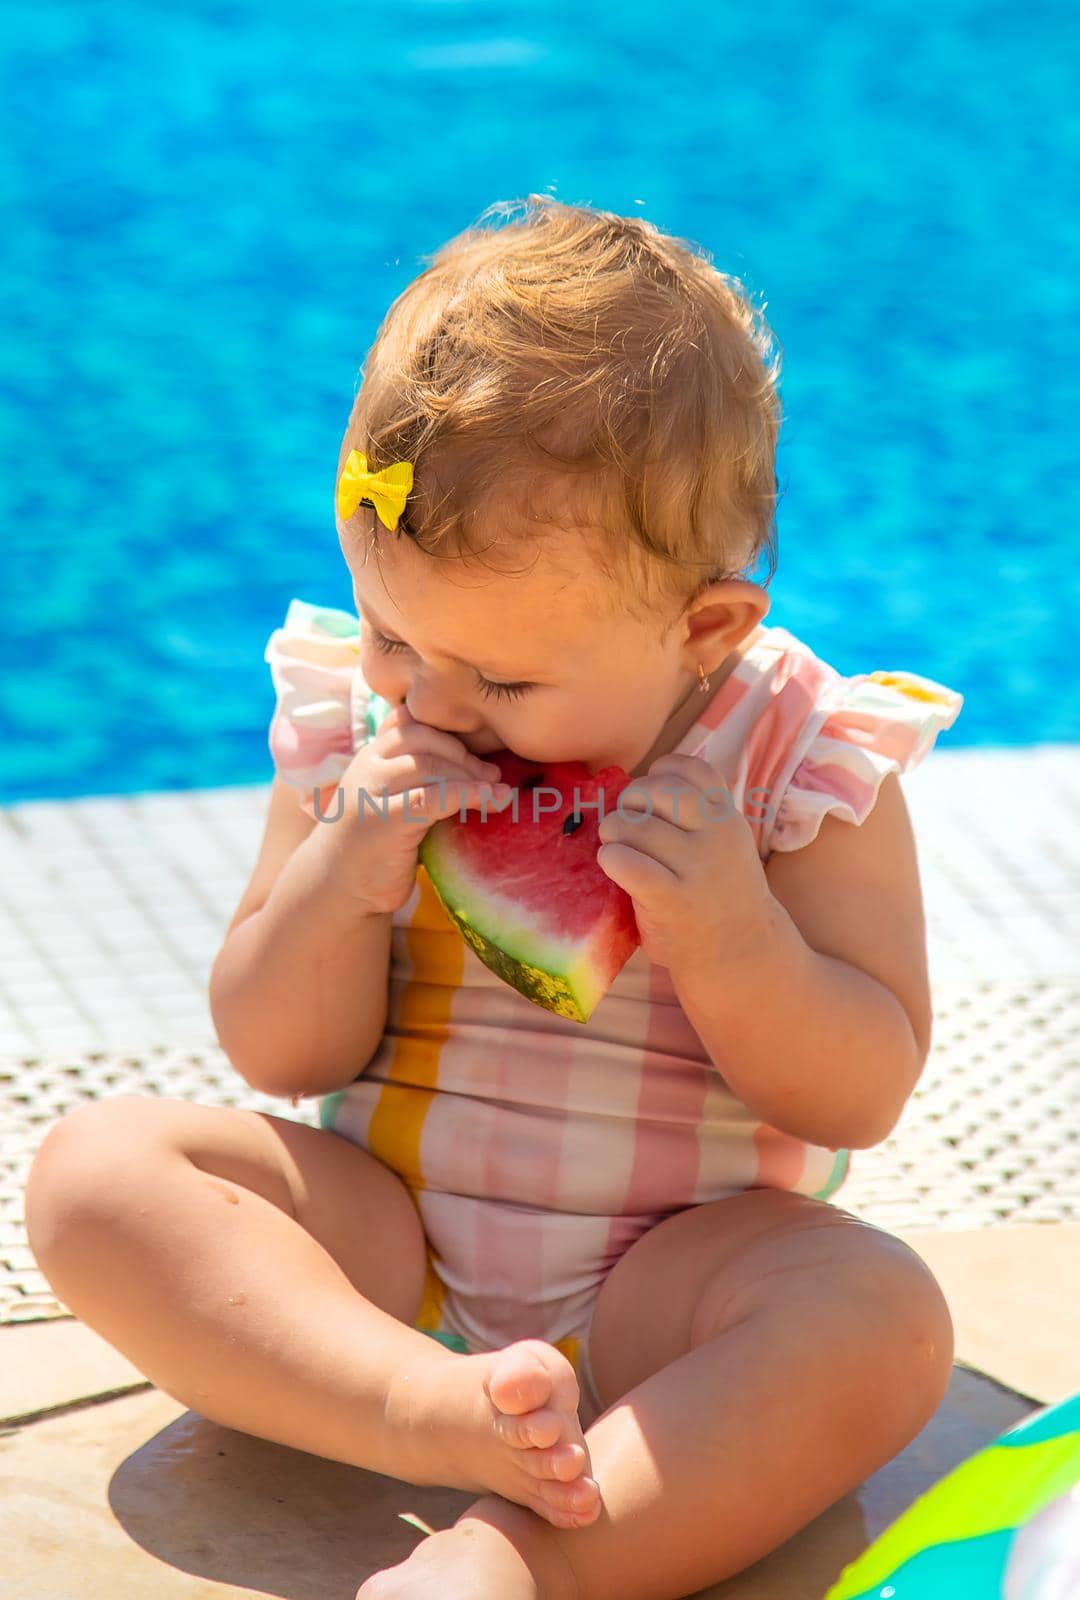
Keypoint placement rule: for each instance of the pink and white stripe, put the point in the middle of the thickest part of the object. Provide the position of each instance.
(538, 1149)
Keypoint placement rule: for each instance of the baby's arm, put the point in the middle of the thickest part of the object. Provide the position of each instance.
(299, 988)
(824, 1028)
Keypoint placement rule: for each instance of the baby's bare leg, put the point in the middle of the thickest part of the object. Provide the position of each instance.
(201, 1275)
(816, 1354)
(266, 1274)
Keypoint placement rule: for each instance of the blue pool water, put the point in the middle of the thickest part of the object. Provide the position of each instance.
(209, 207)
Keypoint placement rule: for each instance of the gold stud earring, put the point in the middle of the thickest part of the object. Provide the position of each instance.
(703, 678)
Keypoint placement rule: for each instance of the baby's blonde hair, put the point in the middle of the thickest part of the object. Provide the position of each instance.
(581, 369)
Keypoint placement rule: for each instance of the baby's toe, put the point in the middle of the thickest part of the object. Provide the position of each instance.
(566, 1462)
(520, 1380)
(534, 1395)
(569, 1502)
(538, 1430)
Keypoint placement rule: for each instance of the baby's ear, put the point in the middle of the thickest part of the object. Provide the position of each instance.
(731, 607)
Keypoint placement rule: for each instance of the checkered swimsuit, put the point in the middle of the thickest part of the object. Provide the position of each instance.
(538, 1149)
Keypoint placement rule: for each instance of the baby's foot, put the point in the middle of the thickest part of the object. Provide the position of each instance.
(504, 1421)
(474, 1559)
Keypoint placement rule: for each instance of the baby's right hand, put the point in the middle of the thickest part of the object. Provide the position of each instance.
(372, 848)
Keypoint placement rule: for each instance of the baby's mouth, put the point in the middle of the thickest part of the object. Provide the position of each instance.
(496, 751)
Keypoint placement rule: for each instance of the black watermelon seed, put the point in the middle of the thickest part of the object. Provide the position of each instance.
(573, 822)
(530, 783)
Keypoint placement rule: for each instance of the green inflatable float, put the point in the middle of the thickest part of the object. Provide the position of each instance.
(1003, 1525)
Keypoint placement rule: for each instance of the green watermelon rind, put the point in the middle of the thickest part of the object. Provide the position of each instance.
(540, 967)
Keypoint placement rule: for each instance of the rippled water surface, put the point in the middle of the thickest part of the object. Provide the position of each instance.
(210, 207)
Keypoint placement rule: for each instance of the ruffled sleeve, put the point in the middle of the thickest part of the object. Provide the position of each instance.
(324, 711)
(873, 724)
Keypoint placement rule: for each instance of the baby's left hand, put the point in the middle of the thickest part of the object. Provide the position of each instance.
(690, 865)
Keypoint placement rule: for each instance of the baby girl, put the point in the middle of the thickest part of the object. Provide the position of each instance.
(591, 1273)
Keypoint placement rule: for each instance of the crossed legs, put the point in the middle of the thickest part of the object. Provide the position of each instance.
(759, 1357)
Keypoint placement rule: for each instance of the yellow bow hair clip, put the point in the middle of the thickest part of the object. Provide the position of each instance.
(386, 489)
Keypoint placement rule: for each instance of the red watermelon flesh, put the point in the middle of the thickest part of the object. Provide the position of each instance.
(528, 893)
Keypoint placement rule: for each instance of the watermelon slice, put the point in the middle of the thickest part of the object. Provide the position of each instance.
(528, 894)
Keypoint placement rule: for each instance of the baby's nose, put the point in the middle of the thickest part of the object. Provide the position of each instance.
(436, 710)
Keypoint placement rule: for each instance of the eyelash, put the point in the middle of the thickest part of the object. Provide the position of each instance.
(508, 691)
